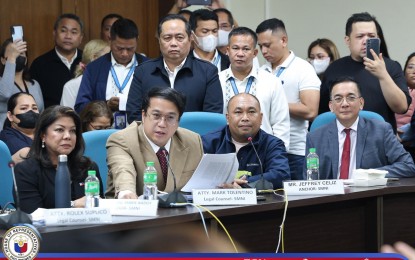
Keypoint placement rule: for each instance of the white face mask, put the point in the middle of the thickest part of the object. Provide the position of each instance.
(320, 66)
(207, 43)
(223, 37)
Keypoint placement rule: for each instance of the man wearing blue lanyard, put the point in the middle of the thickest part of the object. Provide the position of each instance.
(204, 24)
(109, 77)
(243, 77)
(301, 86)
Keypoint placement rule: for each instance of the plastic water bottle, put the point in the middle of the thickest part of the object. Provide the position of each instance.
(91, 190)
(150, 182)
(62, 184)
(313, 165)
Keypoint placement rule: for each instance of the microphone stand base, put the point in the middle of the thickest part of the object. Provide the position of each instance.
(17, 217)
(166, 200)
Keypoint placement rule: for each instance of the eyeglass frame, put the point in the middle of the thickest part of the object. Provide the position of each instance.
(349, 99)
(165, 117)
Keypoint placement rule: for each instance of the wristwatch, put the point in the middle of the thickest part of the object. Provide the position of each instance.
(72, 204)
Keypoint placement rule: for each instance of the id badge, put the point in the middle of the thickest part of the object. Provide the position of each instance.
(120, 119)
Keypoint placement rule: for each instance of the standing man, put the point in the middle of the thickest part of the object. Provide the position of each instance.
(109, 77)
(56, 67)
(382, 81)
(244, 118)
(243, 77)
(106, 24)
(204, 24)
(129, 149)
(301, 85)
(351, 142)
(226, 24)
(197, 79)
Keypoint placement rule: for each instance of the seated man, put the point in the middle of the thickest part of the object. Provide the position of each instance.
(244, 120)
(129, 149)
(351, 142)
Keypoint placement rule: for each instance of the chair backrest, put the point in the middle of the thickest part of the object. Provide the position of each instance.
(95, 149)
(202, 122)
(327, 117)
(6, 177)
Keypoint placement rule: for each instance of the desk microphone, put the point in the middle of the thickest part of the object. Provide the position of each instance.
(166, 200)
(260, 184)
(18, 216)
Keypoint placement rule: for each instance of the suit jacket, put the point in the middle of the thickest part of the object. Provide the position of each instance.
(376, 148)
(128, 150)
(95, 79)
(198, 80)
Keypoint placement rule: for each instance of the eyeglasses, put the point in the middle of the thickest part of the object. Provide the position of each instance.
(410, 67)
(170, 119)
(99, 127)
(349, 99)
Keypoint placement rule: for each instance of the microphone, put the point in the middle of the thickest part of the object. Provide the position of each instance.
(18, 216)
(262, 183)
(166, 200)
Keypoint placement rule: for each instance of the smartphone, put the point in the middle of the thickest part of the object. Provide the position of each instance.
(374, 44)
(17, 32)
(199, 2)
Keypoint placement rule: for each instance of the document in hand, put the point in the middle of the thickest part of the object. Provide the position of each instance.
(213, 169)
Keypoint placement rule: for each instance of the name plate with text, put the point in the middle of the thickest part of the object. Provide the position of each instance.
(224, 196)
(77, 216)
(129, 207)
(315, 187)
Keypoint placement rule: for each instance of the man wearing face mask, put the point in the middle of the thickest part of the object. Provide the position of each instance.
(204, 24)
(20, 124)
(14, 75)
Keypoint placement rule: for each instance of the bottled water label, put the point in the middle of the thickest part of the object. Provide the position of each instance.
(312, 163)
(150, 177)
(92, 187)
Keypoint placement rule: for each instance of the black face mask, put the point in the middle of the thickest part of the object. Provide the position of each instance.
(27, 120)
(20, 63)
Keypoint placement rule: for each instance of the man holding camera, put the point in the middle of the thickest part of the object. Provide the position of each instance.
(381, 80)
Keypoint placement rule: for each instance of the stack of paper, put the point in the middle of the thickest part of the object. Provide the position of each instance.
(369, 177)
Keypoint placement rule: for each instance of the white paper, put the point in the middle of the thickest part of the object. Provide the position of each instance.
(213, 170)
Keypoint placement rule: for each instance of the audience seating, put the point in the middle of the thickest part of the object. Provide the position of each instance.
(95, 142)
(6, 177)
(202, 122)
(327, 117)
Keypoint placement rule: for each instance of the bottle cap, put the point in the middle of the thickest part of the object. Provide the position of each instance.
(92, 172)
(63, 158)
(312, 150)
(150, 164)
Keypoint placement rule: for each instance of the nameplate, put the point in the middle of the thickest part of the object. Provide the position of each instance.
(77, 216)
(316, 187)
(224, 196)
(130, 207)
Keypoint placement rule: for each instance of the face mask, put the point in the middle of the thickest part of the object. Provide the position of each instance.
(207, 43)
(28, 120)
(223, 38)
(20, 63)
(320, 66)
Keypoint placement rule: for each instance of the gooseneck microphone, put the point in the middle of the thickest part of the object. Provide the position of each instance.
(18, 216)
(171, 199)
(262, 183)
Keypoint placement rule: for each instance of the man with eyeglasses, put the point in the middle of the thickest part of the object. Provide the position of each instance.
(244, 118)
(243, 77)
(351, 142)
(381, 79)
(128, 150)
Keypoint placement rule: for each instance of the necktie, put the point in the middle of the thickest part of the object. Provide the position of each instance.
(163, 162)
(344, 168)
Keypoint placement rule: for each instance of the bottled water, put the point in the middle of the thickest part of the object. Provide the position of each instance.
(313, 165)
(62, 184)
(150, 182)
(91, 190)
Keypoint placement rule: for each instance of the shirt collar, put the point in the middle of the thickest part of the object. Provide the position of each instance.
(286, 63)
(64, 59)
(340, 127)
(215, 57)
(253, 73)
(115, 63)
(177, 68)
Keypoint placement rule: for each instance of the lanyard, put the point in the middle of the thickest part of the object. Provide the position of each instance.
(281, 70)
(25, 86)
(247, 88)
(124, 84)
(217, 61)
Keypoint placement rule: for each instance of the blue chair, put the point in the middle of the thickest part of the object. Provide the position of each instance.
(6, 177)
(327, 117)
(95, 149)
(202, 122)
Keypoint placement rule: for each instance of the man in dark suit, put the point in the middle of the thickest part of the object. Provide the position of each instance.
(197, 79)
(364, 143)
(56, 67)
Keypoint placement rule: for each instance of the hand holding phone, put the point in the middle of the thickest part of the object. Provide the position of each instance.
(199, 2)
(16, 32)
(374, 44)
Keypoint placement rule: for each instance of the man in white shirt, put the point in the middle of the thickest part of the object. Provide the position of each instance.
(300, 82)
(243, 77)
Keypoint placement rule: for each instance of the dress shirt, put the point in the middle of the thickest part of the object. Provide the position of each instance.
(353, 137)
(172, 74)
